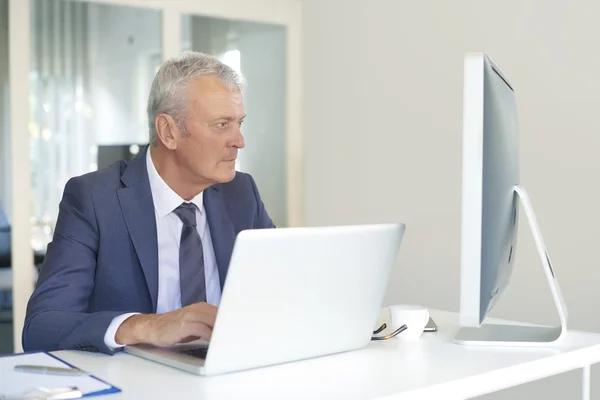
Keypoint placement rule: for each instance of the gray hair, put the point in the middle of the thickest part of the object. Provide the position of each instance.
(167, 94)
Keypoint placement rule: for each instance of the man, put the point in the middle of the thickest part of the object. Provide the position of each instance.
(141, 250)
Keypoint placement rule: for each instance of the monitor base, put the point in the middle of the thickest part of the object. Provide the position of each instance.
(509, 335)
(523, 335)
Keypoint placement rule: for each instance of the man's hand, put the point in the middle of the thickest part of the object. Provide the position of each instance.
(188, 323)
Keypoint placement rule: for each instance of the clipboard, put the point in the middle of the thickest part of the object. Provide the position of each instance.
(7, 362)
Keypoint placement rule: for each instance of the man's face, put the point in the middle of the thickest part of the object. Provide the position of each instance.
(208, 147)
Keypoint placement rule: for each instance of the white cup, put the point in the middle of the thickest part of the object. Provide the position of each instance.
(413, 316)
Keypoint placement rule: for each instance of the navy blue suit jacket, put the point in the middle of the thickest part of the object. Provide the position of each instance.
(103, 259)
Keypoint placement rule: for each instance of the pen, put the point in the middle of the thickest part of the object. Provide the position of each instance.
(40, 369)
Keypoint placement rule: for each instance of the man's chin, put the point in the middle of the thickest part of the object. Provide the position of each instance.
(227, 176)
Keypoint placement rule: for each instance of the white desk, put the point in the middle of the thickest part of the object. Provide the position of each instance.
(432, 368)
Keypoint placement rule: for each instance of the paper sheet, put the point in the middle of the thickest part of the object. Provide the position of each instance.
(14, 383)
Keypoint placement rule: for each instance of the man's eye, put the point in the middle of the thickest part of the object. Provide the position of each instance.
(222, 125)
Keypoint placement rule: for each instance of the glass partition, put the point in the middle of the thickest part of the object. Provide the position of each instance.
(258, 51)
(91, 70)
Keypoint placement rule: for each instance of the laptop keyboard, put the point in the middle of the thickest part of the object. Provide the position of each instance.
(198, 353)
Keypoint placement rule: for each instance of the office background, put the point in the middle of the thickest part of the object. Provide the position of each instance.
(383, 126)
(78, 78)
(380, 95)
(383, 135)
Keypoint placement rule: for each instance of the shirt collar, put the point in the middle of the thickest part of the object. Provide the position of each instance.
(164, 198)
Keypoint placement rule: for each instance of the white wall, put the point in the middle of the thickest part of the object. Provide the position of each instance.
(383, 136)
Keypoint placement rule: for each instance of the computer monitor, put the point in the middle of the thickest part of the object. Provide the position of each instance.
(110, 154)
(491, 194)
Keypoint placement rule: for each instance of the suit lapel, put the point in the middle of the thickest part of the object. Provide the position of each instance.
(221, 229)
(138, 210)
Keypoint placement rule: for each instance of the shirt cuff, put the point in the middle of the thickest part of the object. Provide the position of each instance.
(109, 336)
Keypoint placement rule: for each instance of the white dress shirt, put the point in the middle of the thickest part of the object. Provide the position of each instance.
(168, 230)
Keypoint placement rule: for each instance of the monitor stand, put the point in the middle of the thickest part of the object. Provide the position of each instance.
(491, 334)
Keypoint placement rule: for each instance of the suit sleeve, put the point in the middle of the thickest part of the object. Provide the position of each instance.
(262, 220)
(57, 313)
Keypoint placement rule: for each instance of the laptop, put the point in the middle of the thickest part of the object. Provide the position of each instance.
(292, 294)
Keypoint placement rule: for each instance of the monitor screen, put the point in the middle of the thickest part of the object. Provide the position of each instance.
(490, 173)
(110, 154)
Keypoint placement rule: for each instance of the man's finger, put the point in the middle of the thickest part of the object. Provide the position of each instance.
(197, 330)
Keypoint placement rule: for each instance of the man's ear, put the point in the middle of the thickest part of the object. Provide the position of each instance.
(167, 130)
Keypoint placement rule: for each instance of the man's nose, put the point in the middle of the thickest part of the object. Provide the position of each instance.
(239, 141)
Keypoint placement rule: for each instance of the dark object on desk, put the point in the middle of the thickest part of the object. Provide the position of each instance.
(391, 335)
(110, 154)
(431, 326)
